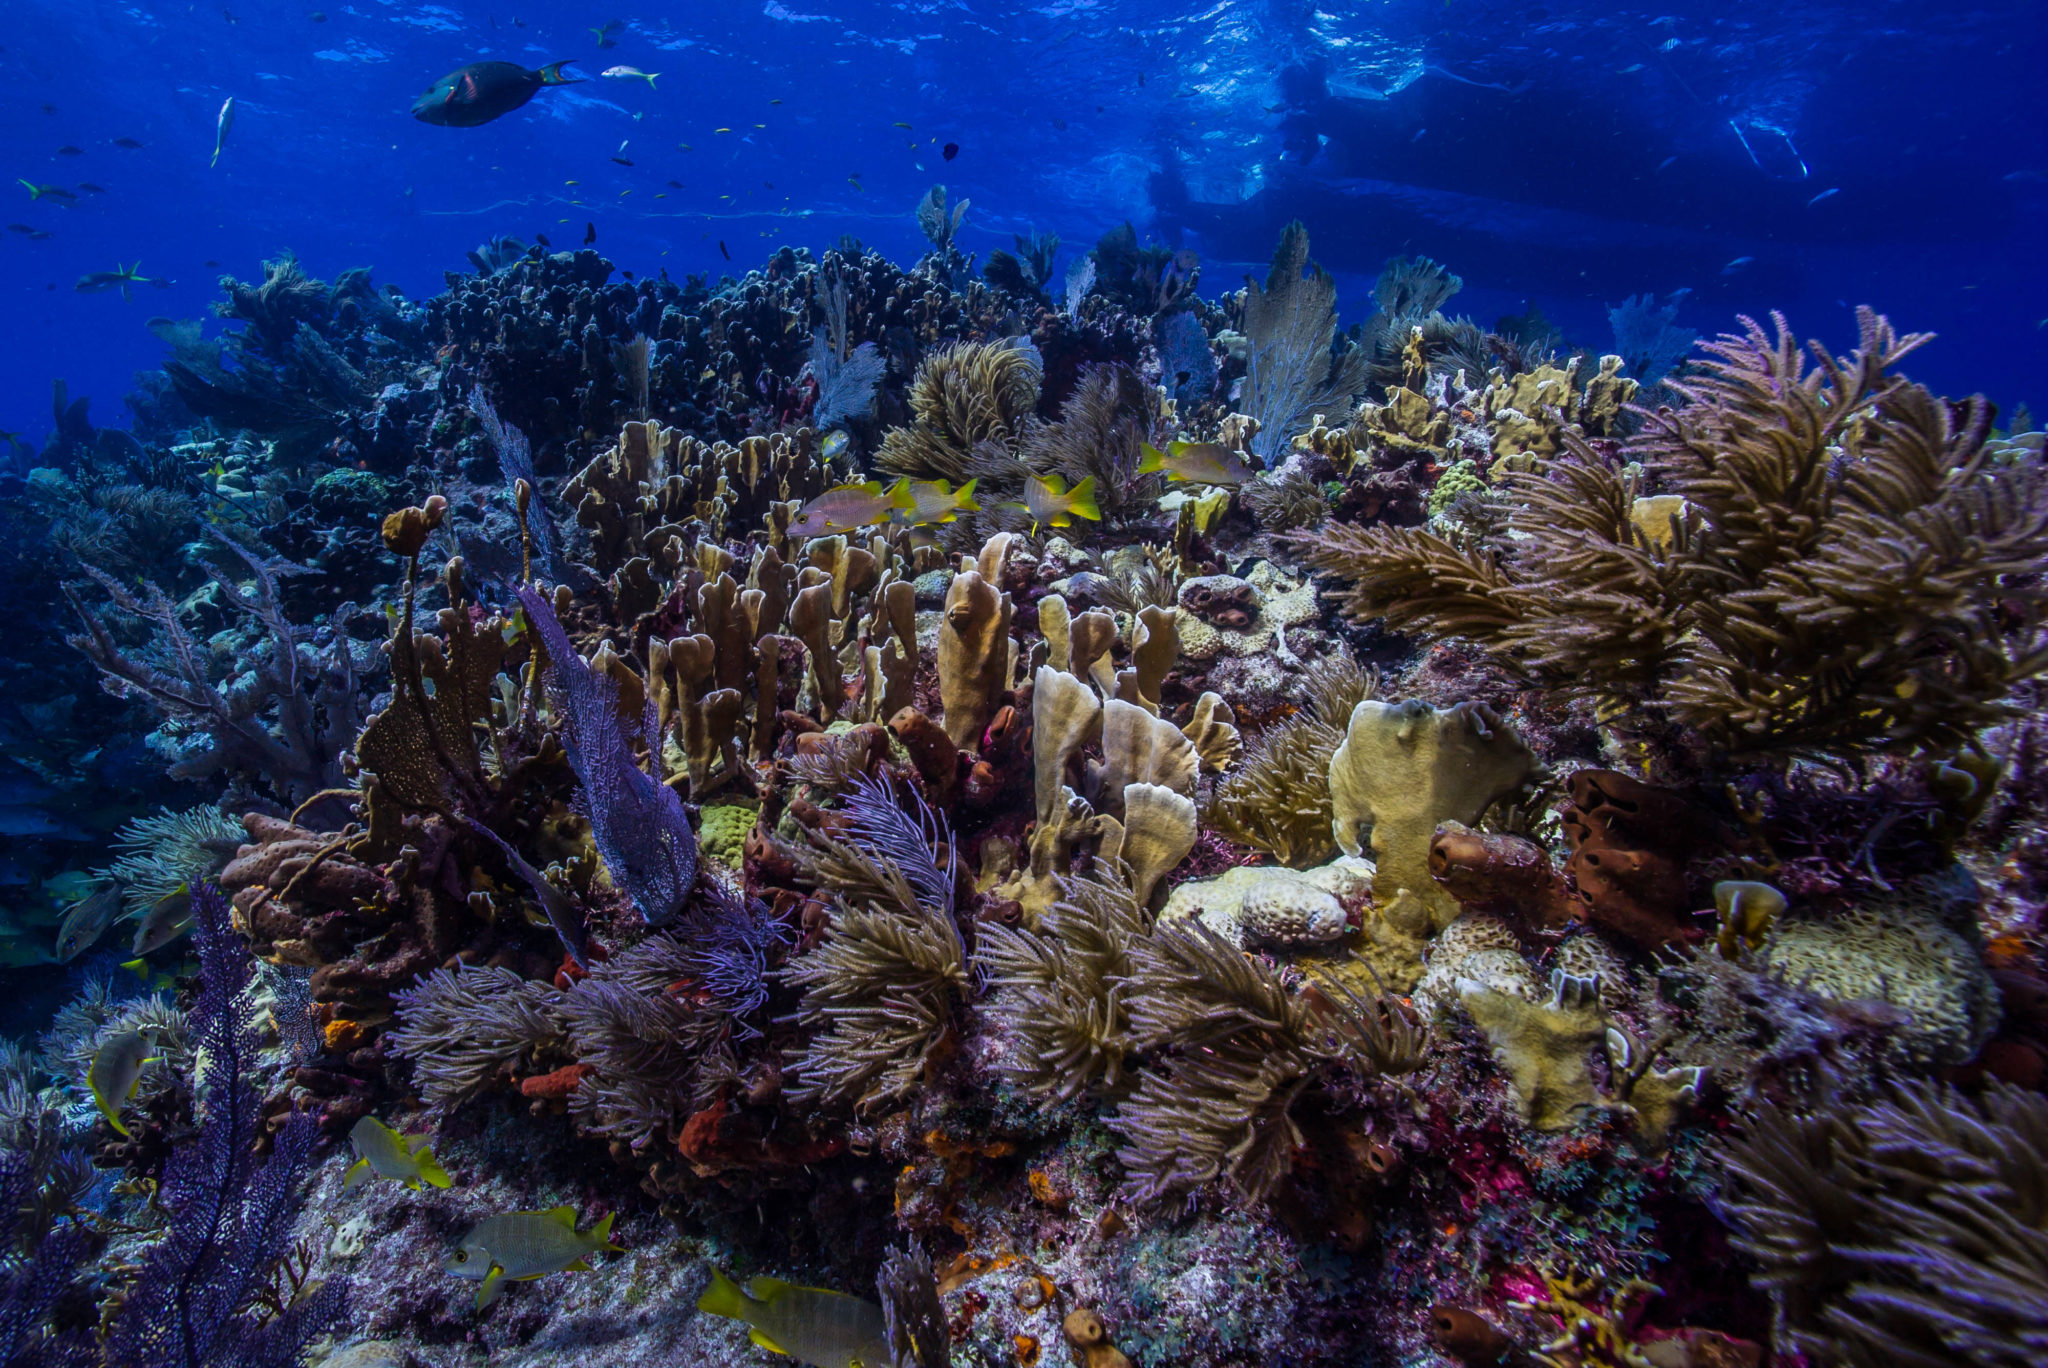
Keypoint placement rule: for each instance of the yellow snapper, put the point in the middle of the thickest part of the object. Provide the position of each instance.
(932, 501)
(384, 1153)
(846, 507)
(1051, 504)
(520, 1246)
(826, 1329)
(166, 920)
(116, 1072)
(86, 921)
(1196, 463)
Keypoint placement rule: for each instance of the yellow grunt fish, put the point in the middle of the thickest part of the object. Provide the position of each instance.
(384, 1153)
(819, 1327)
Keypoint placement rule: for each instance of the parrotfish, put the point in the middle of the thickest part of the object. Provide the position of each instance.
(221, 125)
(520, 1246)
(483, 91)
(116, 1072)
(932, 501)
(628, 73)
(86, 921)
(1051, 504)
(819, 1327)
(384, 1153)
(165, 921)
(846, 507)
(1196, 463)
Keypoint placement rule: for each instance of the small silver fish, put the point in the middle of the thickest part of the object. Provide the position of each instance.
(86, 921)
(1732, 267)
(1829, 193)
(221, 126)
(626, 73)
(166, 920)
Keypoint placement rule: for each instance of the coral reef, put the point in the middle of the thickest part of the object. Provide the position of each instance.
(1085, 943)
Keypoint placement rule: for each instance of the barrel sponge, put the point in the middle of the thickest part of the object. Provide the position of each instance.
(722, 832)
(1901, 955)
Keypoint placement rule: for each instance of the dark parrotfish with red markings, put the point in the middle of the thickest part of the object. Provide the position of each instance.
(483, 91)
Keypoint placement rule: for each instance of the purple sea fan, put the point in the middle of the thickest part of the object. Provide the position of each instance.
(196, 1301)
(636, 821)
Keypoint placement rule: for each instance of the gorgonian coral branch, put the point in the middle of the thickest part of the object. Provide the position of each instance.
(1811, 560)
(231, 1210)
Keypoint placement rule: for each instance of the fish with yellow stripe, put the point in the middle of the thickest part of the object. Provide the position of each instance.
(382, 1152)
(846, 507)
(1196, 463)
(921, 503)
(812, 1324)
(116, 1073)
(520, 1246)
(1051, 504)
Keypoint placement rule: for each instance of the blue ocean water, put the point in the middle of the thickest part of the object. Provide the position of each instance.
(1798, 157)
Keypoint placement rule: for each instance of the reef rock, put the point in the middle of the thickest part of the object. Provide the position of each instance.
(1223, 616)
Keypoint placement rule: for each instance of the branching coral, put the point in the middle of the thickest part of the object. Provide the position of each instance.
(1844, 570)
(463, 1027)
(39, 1265)
(191, 1301)
(1907, 1231)
(283, 724)
(1647, 336)
(157, 853)
(636, 820)
(633, 1024)
(963, 396)
(1101, 434)
(879, 993)
(1278, 799)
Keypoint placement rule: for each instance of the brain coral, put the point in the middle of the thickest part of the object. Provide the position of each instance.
(1274, 906)
(722, 832)
(1901, 955)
